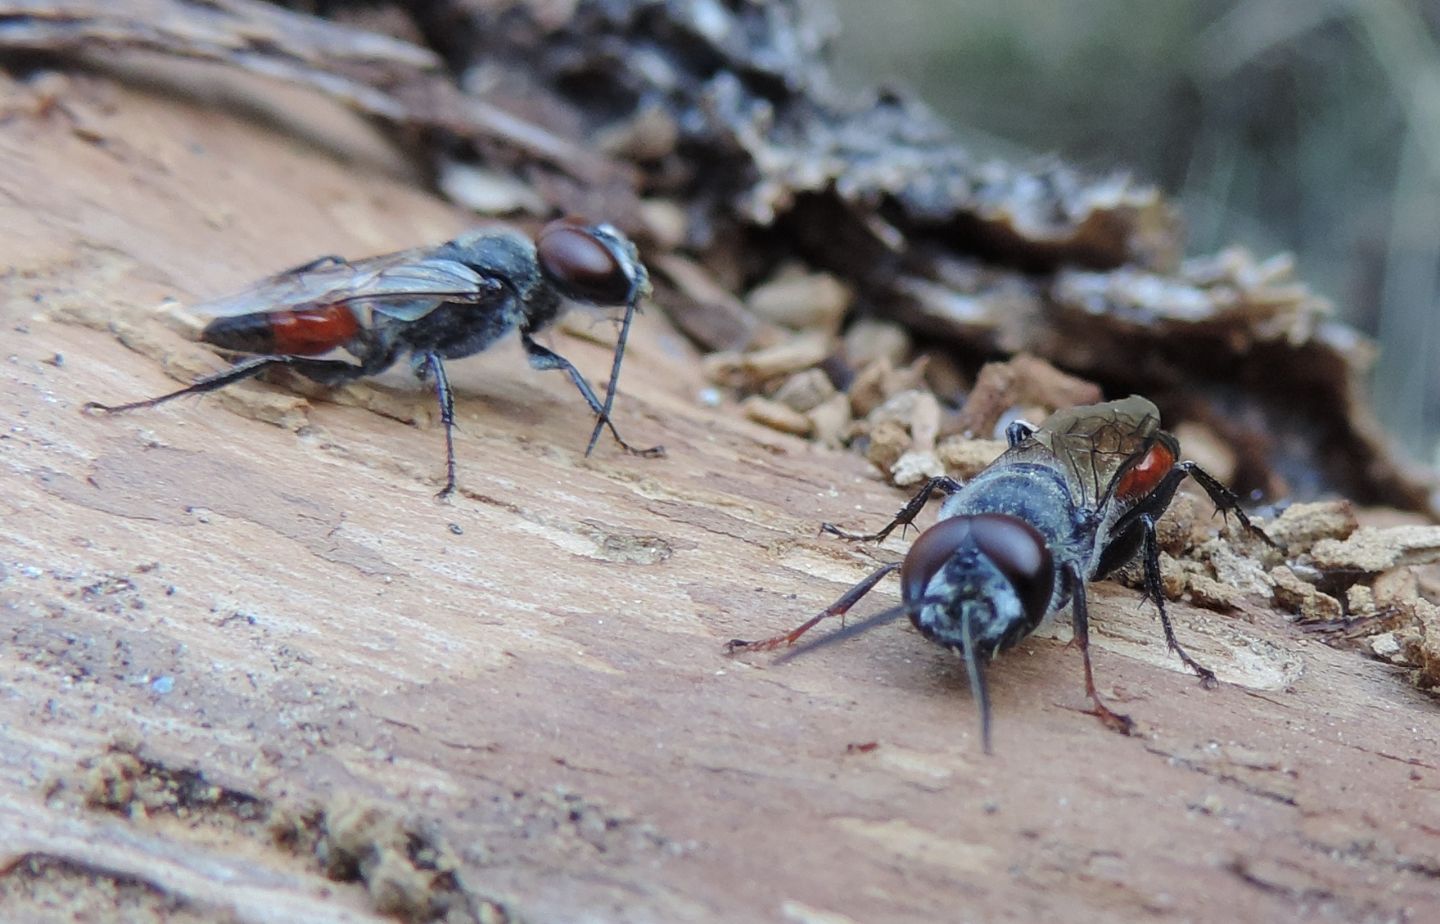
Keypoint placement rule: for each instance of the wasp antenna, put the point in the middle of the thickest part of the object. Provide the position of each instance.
(857, 628)
(614, 382)
(978, 690)
(850, 631)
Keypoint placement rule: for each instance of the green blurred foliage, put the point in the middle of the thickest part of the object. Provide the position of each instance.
(1309, 126)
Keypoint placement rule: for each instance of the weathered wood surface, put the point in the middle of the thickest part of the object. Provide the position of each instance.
(530, 680)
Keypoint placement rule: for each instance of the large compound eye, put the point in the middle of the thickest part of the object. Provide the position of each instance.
(1018, 550)
(1015, 548)
(929, 553)
(580, 262)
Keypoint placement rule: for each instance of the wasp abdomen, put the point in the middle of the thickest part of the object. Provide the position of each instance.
(293, 332)
(1146, 474)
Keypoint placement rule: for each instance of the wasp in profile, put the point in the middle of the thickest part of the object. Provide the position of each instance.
(1067, 503)
(430, 304)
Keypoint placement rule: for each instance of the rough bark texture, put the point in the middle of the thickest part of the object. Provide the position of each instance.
(257, 672)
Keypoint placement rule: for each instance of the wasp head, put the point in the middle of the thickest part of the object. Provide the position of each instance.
(977, 584)
(591, 263)
(978, 579)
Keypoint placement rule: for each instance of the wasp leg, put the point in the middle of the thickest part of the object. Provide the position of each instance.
(1135, 532)
(838, 608)
(905, 517)
(621, 339)
(1081, 616)
(324, 371)
(1156, 593)
(1224, 499)
(434, 368)
(541, 358)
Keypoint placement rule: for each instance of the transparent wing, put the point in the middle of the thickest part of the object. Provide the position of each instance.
(405, 285)
(1093, 443)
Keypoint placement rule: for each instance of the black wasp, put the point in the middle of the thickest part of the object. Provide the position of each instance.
(433, 304)
(1068, 502)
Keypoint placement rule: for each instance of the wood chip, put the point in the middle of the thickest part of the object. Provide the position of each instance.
(1212, 594)
(917, 410)
(965, 458)
(706, 311)
(805, 391)
(829, 420)
(1024, 380)
(1396, 586)
(775, 415)
(869, 340)
(1423, 648)
(889, 439)
(1360, 600)
(916, 466)
(1236, 568)
(879, 382)
(801, 300)
(1374, 550)
(1300, 526)
(753, 369)
(1302, 599)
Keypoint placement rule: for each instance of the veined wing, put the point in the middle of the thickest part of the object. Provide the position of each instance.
(405, 285)
(1094, 443)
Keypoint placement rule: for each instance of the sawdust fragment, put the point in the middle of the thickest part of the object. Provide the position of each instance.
(889, 439)
(1300, 526)
(408, 869)
(751, 370)
(1303, 599)
(966, 458)
(869, 340)
(125, 782)
(829, 420)
(798, 299)
(46, 887)
(1375, 549)
(880, 381)
(1422, 646)
(805, 391)
(775, 415)
(1024, 381)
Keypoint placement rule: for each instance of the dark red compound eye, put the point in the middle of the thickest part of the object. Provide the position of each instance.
(929, 553)
(1019, 551)
(580, 262)
(1015, 548)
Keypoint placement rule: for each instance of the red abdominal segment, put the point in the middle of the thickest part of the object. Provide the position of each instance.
(312, 331)
(1145, 475)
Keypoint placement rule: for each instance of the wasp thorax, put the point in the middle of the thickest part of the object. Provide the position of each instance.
(582, 264)
(989, 546)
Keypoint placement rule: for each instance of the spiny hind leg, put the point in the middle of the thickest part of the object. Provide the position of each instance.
(1224, 500)
(323, 371)
(542, 358)
(1156, 592)
(433, 368)
(906, 515)
(1081, 614)
(838, 608)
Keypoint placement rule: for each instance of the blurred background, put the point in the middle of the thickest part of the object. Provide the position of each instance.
(1308, 126)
